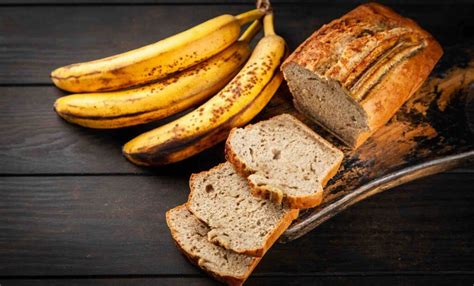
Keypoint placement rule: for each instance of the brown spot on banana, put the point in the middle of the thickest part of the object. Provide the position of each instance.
(154, 61)
(177, 150)
(232, 107)
(223, 68)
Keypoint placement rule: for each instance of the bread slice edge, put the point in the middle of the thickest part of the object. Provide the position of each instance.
(274, 194)
(194, 259)
(284, 223)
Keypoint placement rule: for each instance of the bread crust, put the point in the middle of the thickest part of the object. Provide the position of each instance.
(272, 193)
(404, 80)
(400, 81)
(194, 259)
(271, 238)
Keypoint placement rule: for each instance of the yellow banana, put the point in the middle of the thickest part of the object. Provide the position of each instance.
(154, 61)
(235, 105)
(160, 99)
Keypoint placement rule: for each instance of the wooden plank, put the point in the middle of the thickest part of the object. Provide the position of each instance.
(165, 281)
(220, 2)
(36, 40)
(34, 140)
(114, 225)
(353, 280)
(431, 133)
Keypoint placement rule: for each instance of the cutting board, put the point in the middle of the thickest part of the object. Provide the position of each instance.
(432, 133)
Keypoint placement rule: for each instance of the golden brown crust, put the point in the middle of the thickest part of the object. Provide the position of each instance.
(273, 194)
(229, 280)
(277, 232)
(360, 25)
(385, 60)
(404, 81)
(276, 196)
(333, 171)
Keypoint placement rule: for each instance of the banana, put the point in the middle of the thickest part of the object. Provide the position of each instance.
(161, 99)
(235, 105)
(154, 61)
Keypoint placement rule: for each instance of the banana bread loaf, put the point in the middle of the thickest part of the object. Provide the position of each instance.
(354, 73)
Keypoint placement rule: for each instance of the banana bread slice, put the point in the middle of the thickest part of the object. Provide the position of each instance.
(283, 160)
(221, 198)
(190, 236)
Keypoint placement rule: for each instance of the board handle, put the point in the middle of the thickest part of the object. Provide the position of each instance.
(320, 215)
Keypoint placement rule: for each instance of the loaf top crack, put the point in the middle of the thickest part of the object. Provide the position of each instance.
(350, 49)
(353, 74)
(221, 198)
(283, 160)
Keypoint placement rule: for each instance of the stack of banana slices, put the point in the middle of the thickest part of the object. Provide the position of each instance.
(208, 68)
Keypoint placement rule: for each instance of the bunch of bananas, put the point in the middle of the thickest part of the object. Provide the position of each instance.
(173, 75)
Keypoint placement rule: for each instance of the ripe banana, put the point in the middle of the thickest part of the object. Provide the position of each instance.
(154, 61)
(234, 106)
(161, 99)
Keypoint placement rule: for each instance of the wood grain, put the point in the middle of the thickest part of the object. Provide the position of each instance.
(74, 212)
(34, 140)
(68, 34)
(220, 2)
(336, 280)
(113, 225)
(428, 135)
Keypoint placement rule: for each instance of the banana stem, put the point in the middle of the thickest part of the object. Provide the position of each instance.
(264, 5)
(251, 31)
(249, 16)
(268, 26)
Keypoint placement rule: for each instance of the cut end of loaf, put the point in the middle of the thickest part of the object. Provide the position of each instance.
(190, 235)
(283, 160)
(327, 103)
(354, 73)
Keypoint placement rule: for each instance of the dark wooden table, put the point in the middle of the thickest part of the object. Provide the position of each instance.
(73, 211)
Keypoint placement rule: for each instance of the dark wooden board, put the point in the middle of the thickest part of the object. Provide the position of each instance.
(114, 225)
(74, 212)
(431, 133)
(352, 280)
(68, 34)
